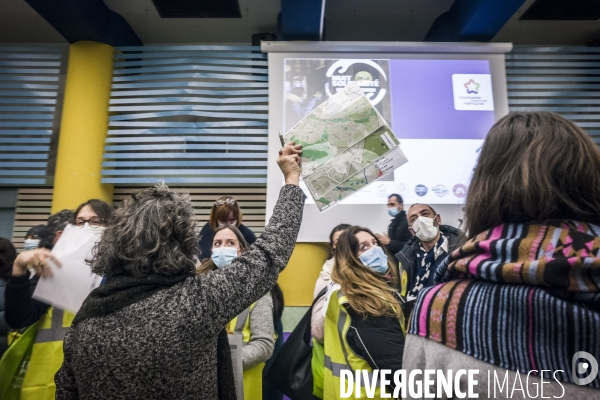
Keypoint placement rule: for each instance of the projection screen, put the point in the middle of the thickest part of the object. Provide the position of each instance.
(440, 99)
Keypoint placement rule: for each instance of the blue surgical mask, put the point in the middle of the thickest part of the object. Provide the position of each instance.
(223, 256)
(31, 244)
(393, 211)
(376, 259)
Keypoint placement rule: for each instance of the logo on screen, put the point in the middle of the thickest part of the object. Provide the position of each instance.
(459, 190)
(370, 75)
(421, 190)
(472, 87)
(440, 190)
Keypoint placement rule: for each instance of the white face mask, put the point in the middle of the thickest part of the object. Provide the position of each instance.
(96, 231)
(31, 244)
(424, 229)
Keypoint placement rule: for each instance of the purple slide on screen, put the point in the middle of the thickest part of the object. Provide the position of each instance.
(423, 100)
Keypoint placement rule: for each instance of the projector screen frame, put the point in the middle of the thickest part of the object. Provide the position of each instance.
(377, 218)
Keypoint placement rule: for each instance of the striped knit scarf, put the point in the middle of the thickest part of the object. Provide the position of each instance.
(520, 296)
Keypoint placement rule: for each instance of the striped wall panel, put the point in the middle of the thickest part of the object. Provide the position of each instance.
(33, 208)
(31, 87)
(188, 115)
(251, 200)
(565, 80)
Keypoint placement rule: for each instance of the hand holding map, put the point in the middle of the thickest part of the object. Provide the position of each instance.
(346, 145)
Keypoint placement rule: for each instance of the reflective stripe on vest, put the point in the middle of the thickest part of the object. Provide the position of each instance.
(252, 376)
(338, 356)
(56, 331)
(242, 319)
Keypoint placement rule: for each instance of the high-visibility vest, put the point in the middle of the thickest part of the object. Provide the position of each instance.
(252, 376)
(46, 356)
(338, 354)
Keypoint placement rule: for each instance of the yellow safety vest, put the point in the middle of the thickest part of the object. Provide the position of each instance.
(338, 354)
(252, 376)
(46, 356)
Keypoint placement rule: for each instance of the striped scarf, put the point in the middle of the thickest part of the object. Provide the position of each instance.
(522, 297)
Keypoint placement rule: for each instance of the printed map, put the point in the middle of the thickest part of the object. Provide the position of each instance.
(344, 142)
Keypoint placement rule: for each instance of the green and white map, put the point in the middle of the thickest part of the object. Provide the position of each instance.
(346, 145)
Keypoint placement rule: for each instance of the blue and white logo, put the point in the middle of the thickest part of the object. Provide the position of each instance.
(421, 190)
(440, 190)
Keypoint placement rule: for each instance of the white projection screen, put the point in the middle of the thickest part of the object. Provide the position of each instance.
(440, 100)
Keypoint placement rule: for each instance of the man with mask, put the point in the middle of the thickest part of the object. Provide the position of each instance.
(398, 233)
(426, 250)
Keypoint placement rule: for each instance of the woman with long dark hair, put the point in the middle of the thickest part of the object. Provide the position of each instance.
(523, 294)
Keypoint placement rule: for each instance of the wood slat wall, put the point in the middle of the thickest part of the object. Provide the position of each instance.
(33, 208)
(34, 204)
(251, 200)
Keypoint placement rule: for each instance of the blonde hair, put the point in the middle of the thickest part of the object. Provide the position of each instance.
(369, 293)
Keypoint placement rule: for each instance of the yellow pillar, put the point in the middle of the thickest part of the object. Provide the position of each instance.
(83, 127)
(297, 281)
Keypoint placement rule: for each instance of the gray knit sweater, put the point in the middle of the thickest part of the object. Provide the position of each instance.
(262, 332)
(164, 347)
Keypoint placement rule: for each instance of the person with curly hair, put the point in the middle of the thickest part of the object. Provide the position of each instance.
(151, 331)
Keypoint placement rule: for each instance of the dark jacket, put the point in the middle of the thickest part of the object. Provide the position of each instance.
(378, 340)
(21, 310)
(206, 237)
(3, 324)
(165, 346)
(398, 233)
(408, 255)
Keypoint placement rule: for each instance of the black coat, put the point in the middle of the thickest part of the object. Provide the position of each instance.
(398, 233)
(206, 237)
(3, 324)
(408, 255)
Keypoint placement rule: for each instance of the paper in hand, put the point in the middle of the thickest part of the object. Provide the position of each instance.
(69, 285)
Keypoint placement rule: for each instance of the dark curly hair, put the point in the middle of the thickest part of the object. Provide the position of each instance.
(56, 222)
(153, 232)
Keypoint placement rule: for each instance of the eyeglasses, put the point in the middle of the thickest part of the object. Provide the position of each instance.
(94, 222)
(224, 201)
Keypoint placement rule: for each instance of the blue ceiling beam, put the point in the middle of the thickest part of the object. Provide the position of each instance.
(301, 20)
(90, 20)
(472, 20)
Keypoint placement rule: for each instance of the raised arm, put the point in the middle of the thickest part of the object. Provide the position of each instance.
(230, 290)
(225, 293)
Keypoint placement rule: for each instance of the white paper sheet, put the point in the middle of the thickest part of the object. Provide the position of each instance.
(235, 343)
(69, 286)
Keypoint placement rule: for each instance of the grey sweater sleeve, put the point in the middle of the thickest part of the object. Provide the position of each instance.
(219, 296)
(262, 341)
